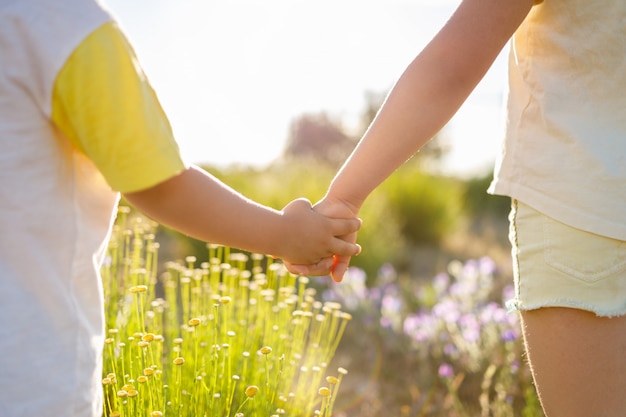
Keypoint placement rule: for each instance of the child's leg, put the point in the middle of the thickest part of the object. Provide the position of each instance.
(578, 361)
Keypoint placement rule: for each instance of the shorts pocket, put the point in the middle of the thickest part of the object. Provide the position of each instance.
(582, 255)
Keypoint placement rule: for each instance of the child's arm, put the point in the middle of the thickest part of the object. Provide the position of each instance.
(425, 97)
(196, 203)
(104, 106)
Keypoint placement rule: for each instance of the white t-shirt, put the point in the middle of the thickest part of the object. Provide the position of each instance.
(565, 147)
(67, 141)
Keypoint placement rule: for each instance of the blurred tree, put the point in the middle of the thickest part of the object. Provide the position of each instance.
(318, 137)
(429, 156)
(323, 139)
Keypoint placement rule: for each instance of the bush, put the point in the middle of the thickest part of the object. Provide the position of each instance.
(479, 203)
(410, 208)
(276, 186)
(427, 206)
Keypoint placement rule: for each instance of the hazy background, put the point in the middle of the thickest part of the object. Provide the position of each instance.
(233, 74)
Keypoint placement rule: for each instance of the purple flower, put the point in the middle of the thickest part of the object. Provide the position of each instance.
(420, 327)
(508, 293)
(385, 322)
(470, 327)
(509, 335)
(450, 349)
(448, 310)
(387, 273)
(446, 370)
(357, 275)
(391, 303)
(486, 266)
(493, 313)
(471, 269)
(441, 282)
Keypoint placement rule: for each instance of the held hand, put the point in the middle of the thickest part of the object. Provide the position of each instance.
(338, 265)
(313, 239)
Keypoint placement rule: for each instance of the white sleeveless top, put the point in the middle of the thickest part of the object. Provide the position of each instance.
(55, 216)
(565, 147)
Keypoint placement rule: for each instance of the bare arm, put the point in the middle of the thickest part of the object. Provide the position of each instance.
(199, 205)
(429, 93)
(423, 100)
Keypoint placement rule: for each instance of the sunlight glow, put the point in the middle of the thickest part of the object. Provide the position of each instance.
(232, 75)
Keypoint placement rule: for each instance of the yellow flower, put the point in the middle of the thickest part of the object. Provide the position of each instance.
(148, 371)
(148, 337)
(266, 350)
(324, 391)
(251, 391)
(138, 288)
(193, 322)
(331, 380)
(179, 361)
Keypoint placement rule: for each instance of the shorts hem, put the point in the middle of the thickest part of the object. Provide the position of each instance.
(518, 305)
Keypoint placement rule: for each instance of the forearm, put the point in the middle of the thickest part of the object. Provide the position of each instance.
(197, 204)
(201, 206)
(417, 107)
(429, 93)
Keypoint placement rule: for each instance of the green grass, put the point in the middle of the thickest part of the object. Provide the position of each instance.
(235, 336)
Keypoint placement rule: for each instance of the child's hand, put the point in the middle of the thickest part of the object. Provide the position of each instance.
(312, 239)
(338, 264)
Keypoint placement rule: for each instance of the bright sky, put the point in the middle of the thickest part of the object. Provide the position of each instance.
(233, 74)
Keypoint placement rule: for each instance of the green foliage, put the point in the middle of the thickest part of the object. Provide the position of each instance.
(277, 185)
(479, 203)
(381, 235)
(411, 208)
(427, 206)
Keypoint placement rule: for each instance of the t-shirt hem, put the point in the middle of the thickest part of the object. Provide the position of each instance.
(559, 210)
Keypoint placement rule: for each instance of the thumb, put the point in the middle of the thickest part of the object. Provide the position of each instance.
(298, 203)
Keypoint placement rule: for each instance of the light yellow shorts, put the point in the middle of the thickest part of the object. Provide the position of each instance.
(555, 265)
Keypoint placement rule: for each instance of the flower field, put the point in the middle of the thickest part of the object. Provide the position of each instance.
(442, 347)
(238, 336)
(235, 336)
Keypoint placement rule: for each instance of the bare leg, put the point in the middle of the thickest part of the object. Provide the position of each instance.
(578, 361)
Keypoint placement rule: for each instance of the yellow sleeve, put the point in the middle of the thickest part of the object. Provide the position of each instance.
(106, 107)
